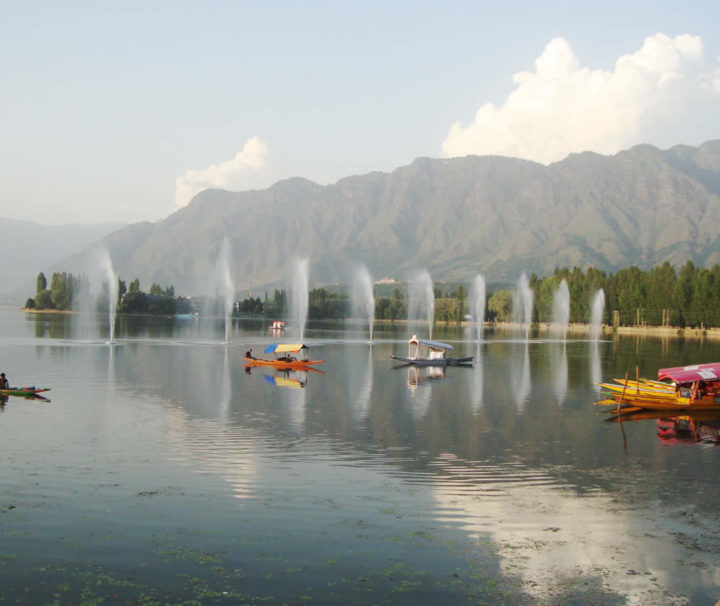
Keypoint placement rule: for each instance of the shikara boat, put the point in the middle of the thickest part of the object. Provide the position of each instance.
(695, 387)
(287, 355)
(422, 352)
(25, 392)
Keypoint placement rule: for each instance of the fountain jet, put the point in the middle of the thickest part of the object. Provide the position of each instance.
(299, 298)
(112, 291)
(421, 300)
(477, 303)
(560, 318)
(362, 297)
(227, 290)
(598, 309)
(523, 305)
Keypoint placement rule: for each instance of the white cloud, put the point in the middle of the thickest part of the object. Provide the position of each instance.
(237, 173)
(664, 91)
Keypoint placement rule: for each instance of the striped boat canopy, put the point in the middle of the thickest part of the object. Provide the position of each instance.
(285, 348)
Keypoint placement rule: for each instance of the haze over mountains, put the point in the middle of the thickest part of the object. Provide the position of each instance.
(456, 217)
(28, 248)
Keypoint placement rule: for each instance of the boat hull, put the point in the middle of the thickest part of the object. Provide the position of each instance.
(434, 362)
(25, 392)
(297, 364)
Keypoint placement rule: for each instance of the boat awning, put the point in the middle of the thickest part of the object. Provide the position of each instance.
(285, 348)
(431, 344)
(690, 374)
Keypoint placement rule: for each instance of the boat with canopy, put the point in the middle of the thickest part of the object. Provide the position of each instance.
(695, 387)
(287, 355)
(423, 352)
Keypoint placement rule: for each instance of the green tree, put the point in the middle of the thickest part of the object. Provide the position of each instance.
(500, 305)
(41, 283)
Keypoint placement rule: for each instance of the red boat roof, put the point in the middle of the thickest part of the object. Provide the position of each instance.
(690, 374)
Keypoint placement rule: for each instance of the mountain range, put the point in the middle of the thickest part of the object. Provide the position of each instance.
(455, 217)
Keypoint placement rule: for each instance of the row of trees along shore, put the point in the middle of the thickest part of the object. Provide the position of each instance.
(660, 296)
(68, 292)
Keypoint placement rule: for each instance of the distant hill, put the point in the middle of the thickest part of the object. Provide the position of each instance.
(456, 217)
(29, 248)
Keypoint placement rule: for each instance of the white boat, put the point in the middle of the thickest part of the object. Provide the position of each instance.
(422, 352)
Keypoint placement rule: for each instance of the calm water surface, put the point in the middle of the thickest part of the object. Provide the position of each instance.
(164, 471)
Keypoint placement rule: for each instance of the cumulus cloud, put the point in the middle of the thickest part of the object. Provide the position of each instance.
(665, 90)
(237, 173)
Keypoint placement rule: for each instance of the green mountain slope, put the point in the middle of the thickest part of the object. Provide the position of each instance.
(455, 217)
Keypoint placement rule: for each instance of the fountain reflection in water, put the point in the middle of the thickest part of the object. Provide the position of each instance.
(598, 310)
(421, 300)
(477, 379)
(523, 306)
(521, 381)
(477, 303)
(560, 318)
(299, 298)
(363, 298)
(560, 375)
(225, 285)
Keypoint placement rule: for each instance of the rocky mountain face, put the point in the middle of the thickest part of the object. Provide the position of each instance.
(456, 217)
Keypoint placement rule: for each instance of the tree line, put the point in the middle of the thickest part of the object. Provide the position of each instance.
(661, 296)
(68, 292)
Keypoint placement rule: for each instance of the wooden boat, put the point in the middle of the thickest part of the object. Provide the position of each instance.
(422, 352)
(25, 392)
(287, 355)
(695, 387)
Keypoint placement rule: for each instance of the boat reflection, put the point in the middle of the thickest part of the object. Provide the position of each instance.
(293, 379)
(419, 375)
(690, 428)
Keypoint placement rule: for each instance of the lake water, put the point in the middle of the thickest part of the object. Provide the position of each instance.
(164, 471)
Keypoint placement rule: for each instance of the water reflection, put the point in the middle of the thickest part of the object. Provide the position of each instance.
(546, 534)
(560, 373)
(701, 427)
(549, 493)
(520, 379)
(359, 384)
(477, 379)
(595, 367)
(422, 377)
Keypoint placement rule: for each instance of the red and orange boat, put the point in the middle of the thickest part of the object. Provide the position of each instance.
(287, 355)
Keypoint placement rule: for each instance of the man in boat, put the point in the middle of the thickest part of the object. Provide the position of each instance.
(248, 354)
(4, 383)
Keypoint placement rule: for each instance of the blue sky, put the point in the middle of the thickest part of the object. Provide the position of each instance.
(122, 111)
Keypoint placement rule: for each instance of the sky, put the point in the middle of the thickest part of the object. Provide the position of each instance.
(122, 111)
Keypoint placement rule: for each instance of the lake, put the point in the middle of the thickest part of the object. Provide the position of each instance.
(162, 470)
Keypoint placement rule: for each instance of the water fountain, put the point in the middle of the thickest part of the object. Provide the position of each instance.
(477, 304)
(421, 300)
(299, 298)
(523, 305)
(112, 291)
(363, 298)
(226, 288)
(598, 309)
(560, 317)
